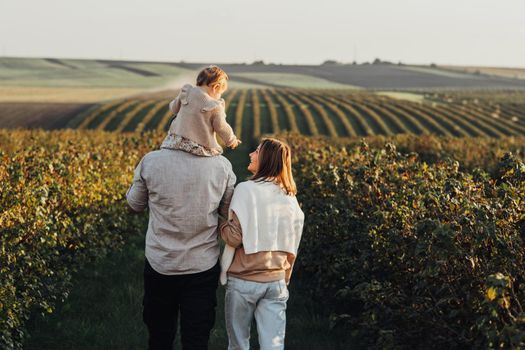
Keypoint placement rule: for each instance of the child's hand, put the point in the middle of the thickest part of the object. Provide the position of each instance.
(235, 143)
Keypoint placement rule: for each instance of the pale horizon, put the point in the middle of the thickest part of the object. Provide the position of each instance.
(419, 32)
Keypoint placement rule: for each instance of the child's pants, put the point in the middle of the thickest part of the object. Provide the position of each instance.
(264, 301)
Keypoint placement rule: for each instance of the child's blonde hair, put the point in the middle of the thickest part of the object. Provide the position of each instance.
(211, 76)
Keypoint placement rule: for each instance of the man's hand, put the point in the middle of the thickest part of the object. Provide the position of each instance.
(132, 211)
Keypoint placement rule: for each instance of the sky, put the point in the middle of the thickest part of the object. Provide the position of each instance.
(459, 32)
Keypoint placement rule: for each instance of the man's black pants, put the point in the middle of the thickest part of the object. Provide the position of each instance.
(192, 295)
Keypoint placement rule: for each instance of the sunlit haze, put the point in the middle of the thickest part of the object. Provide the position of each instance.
(466, 32)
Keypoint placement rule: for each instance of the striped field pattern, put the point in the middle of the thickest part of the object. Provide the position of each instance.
(334, 113)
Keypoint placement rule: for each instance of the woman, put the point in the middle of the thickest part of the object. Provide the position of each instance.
(265, 225)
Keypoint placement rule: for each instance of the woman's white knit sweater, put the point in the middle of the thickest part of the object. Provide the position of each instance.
(270, 220)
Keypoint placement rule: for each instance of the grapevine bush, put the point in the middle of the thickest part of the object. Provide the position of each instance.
(472, 153)
(406, 250)
(62, 205)
(408, 254)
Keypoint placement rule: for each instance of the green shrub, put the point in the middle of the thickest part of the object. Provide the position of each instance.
(62, 204)
(404, 253)
(471, 152)
(411, 255)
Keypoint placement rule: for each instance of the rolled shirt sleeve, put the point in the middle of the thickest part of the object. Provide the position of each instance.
(137, 195)
(231, 232)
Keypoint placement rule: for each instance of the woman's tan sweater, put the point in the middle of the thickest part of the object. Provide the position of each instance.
(200, 117)
(259, 267)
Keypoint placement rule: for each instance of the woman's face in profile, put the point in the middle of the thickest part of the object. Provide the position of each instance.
(254, 161)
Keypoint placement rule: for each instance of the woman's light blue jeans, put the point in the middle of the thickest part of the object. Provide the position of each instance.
(264, 301)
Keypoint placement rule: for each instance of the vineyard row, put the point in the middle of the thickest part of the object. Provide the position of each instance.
(259, 111)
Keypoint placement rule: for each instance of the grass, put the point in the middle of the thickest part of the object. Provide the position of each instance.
(62, 94)
(294, 80)
(514, 73)
(104, 309)
(437, 71)
(406, 96)
(35, 72)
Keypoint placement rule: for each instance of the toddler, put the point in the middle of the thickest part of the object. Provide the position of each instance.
(200, 115)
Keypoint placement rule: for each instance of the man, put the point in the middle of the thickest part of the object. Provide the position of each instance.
(185, 194)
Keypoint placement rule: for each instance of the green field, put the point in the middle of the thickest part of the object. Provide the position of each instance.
(313, 100)
(72, 253)
(66, 231)
(334, 113)
(85, 73)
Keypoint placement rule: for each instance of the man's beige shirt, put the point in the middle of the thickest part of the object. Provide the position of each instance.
(185, 194)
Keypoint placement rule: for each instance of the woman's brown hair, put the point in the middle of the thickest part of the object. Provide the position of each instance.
(275, 164)
(212, 75)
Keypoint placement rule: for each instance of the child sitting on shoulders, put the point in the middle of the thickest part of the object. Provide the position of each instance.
(200, 115)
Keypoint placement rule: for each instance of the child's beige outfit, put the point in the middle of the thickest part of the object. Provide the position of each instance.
(199, 118)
